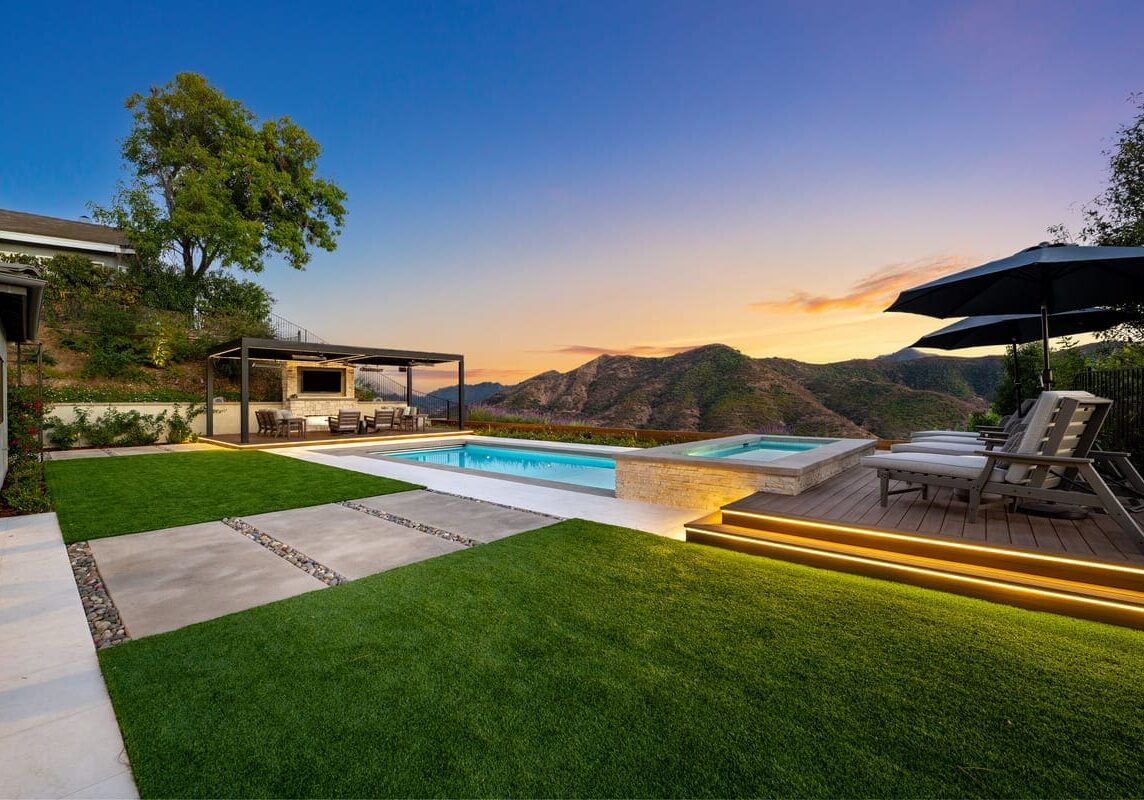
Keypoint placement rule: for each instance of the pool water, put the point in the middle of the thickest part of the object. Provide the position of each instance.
(591, 471)
(759, 450)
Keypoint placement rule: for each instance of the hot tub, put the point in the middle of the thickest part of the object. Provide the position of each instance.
(712, 473)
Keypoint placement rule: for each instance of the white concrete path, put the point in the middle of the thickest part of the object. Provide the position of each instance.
(661, 520)
(141, 450)
(58, 734)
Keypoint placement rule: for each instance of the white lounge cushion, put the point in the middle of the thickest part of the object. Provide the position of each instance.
(932, 464)
(940, 447)
(950, 440)
(929, 434)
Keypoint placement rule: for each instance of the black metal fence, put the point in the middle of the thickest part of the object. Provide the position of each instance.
(285, 330)
(1124, 428)
(389, 390)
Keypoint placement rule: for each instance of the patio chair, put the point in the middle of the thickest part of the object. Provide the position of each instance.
(1049, 461)
(267, 424)
(382, 419)
(345, 422)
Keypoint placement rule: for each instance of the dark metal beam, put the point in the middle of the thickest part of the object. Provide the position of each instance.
(461, 393)
(409, 386)
(283, 350)
(210, 396)
(244, 396)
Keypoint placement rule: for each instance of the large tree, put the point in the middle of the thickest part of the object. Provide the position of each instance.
(1116, 216)
(211, 186)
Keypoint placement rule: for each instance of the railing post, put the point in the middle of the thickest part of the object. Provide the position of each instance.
(461, 394)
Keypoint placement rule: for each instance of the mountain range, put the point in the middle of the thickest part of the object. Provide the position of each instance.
(717, 388)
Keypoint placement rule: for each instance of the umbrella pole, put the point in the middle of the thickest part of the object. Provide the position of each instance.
(1016, 381)
(1047, 372)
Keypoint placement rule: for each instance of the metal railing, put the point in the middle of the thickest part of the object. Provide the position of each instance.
(392, 391)
(1124, 428)
(285, 330)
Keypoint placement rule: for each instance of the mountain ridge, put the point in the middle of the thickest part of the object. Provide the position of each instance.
(718, 388)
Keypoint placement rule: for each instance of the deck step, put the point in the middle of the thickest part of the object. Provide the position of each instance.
(1077, 587)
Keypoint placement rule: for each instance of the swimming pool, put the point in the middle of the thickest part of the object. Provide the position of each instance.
(759, 449)
(594, 472)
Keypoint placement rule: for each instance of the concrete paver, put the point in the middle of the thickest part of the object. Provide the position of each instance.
(162, 580)
(69, 455)
(484, 522)
(58, 734)
(350, 542)
(137, 450)
(149, 449)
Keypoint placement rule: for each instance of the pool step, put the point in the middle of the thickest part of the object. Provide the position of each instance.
(1095, 590)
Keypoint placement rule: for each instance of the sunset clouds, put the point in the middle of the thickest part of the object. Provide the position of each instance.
(636, 350)
(872, 293)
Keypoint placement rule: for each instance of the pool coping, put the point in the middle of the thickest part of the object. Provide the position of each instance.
(793, 465)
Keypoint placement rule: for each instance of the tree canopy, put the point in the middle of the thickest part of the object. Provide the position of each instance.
(211, 186)
(1116, 217)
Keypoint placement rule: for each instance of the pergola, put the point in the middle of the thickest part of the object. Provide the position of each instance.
(248, 349)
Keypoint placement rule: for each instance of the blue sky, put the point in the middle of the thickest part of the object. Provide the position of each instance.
(533, 183)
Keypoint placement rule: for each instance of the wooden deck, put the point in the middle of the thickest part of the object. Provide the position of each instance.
(852, 499)
(315, 438)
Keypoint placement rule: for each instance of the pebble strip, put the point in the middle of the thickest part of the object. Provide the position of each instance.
(102, 616)
(283, 550)
(408, 523)
(496, 505)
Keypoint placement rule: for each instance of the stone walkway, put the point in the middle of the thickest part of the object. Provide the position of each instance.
(162, 580)
(58, 734)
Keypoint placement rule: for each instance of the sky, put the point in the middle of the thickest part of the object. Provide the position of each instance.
(536, 183)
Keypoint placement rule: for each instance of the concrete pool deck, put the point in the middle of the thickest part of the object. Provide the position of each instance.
(566, 503)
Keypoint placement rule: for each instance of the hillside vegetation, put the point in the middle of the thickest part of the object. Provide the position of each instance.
(142, 333)
(717, 388)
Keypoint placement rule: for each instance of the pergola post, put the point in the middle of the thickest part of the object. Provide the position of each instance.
(409, 385)
(210, 396)
(244, 396)
(461, 393)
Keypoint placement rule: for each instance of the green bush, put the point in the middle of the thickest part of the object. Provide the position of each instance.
(115, 428)
(179, 424)
(24, 490)
(119, 394)
(65, 435)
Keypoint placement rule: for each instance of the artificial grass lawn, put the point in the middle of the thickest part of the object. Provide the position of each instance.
(100, 497)
(585, 660)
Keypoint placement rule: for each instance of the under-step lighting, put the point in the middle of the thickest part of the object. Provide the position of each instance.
(935, 541)
(946, 576)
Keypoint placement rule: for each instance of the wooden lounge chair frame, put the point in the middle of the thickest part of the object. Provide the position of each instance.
(382, 418)
(267, 422)
(345, 422)
(1048, 466)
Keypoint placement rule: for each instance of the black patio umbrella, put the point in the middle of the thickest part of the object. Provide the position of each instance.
(1015, 329)
(1045, 279)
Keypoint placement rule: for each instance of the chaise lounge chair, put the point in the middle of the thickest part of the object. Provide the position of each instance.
(1008, 424)
(1047, 461)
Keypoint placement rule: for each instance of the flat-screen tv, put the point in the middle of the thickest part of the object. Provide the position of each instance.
(321, 381)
